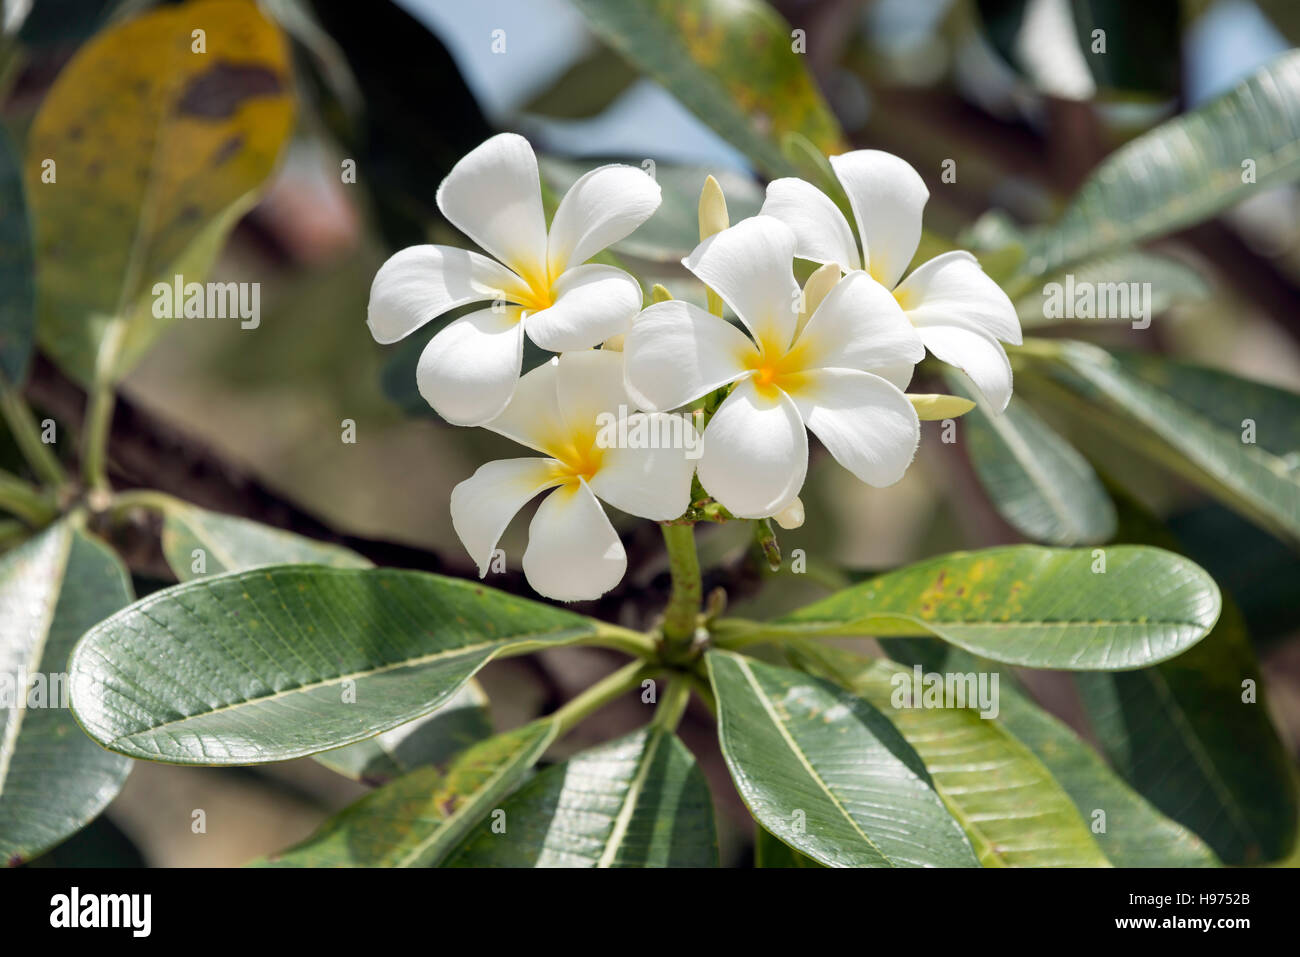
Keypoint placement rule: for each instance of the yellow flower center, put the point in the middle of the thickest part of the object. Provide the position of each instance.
(776, 369)
(580, 457)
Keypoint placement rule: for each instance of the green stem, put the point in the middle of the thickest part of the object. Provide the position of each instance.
(623, 639)
(600, 694)
(25, 500)
(683, 609)
(99, 412)
(733, 633)
(27, 436)
(671, 707)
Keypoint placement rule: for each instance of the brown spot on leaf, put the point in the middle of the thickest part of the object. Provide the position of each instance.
(218, 92)
(227, 149)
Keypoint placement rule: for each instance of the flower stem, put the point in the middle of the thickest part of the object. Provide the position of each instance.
(99, 411)
(27, 436)
(683, 609)
(26, 501)
(600, 694)
(671, 707)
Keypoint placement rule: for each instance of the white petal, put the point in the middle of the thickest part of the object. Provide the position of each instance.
(977, 354)
(483, 505)
(532, 417)
(953, 286)
(573, 551)
(494, 196)
(592, 304)
(867, 425)
(821, 233)
(420, 283)
(755, 452)
(468, 370)
(601, 208)
(677, 352)
(652, 483)
(887, 196)
(859, 325)
(897, 375)
(751, 266)
(587, 384)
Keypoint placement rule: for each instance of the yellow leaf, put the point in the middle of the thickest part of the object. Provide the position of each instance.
(150, 134)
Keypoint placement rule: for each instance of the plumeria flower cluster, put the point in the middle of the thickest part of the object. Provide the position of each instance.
(832, 357)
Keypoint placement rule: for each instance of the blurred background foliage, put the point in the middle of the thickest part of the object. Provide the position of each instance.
(1014, 92)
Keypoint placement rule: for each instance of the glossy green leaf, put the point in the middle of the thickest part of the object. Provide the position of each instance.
(1185, 737)
(1132, 833)
(432, 740)
(289, 660)
(772, 852)
(1237, 439)
(17, 290)
(419, 818)
(197, 542)
(53, 779)
(827, 773)
(1185, 170)
(674, 229)
(1012, 809)
(1032, 606)
(155, 150)
(730, 62)
(638, 801)
(1036, 479)
(1136, 834)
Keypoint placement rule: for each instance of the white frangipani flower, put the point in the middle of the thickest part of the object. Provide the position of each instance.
(573, 552)
(537, 281)
(832, 375)
(959, 312)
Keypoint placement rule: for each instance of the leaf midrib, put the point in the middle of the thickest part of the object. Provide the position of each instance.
(447, 825)
(803, 758)
(10, 743)
(466, 650)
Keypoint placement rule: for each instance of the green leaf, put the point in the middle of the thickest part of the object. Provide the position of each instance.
(285, 661)
(638, 801)
(1135, 834)
(771, 852)
(1195, 421)
(1032, 606)
(432, 740)
(1171, 281)
(17, 290)
(1036, 479)
(157, 150)
(827, 773)
(419, 818)
(1182, 735)
(586, 88)
(1008, 803)
(53, 779)
(674, 229)
(731, 63)
(193, 537)
(1184, 171)
(197, 542)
